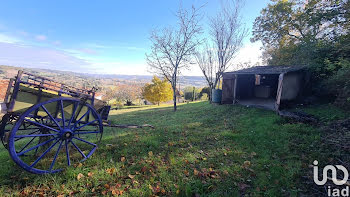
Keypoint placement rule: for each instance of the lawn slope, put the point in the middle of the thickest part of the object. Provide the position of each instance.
(201, 149)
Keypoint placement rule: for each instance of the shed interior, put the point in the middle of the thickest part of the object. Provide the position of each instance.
(258, 90)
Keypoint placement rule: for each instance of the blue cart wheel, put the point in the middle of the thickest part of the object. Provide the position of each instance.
(53, 134)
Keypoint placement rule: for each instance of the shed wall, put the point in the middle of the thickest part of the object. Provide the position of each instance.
(291, 86)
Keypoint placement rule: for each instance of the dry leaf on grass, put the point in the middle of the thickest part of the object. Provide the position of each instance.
(80, 175)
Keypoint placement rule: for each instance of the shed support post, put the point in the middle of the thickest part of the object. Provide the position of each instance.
(234, 89)
(279, 92)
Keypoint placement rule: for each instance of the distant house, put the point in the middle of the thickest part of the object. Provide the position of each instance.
(99, 96)
(268, 87)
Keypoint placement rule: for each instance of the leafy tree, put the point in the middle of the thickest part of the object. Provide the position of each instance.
(191, 93)
(157, 91)
(313, 33)
(205, 90)
(296, 21)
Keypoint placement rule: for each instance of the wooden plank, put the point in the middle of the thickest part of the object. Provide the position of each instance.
(15, 91)
(279, 92)
(8, 92)
(235, 89)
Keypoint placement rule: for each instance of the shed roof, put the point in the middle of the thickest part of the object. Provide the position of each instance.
(267, 70)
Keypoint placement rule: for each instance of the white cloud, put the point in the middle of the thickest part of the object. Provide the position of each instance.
(119, 67)
(41, 37)
(41, 57)
(251, 52)
(8, 39)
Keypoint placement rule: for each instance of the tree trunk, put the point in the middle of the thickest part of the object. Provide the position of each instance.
(174, 98)
(210, 92)
(158, 103)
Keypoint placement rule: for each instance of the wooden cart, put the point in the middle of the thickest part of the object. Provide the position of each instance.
(49, 125)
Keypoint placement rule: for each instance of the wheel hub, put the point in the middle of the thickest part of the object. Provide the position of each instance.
(66, 134)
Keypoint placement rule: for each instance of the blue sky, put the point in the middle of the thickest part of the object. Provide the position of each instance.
(97, 36)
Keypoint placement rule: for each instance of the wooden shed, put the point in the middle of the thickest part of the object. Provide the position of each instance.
(264, 86)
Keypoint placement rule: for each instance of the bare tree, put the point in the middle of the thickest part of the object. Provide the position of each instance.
(227, 32)
(172, 49)
(206, 61)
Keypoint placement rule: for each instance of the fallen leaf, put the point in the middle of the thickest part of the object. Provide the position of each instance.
(110, 171)
(131, 176)
(80, 165)
(243, 186)
(246, 164)
(90, 174)
(106, 186)
(150, 153)
(115, 192)
(122, 159)
(195, 172)
(186, 172)
(80, 175)
(144, 169)
(177, 192)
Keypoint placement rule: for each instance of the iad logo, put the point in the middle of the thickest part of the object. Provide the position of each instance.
(333, 170)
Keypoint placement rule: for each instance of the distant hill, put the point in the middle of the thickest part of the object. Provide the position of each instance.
(99, 80)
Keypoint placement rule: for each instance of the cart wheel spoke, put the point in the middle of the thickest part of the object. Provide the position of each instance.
(42, 155)
(67, 152)
(36, 142)
(81, 152)
(86, 113)
(62, 112)
(27, 144)
(35, 135)
(37, 146)
(73, 114)
(87, 132)
(51, 117)
(54, 159)
(86, 124)
(28, 134)
(39, 124)
(92, 144)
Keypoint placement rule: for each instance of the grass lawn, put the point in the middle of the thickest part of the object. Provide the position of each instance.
(201, 149)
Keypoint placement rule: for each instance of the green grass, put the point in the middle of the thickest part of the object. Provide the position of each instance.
(200, 149)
